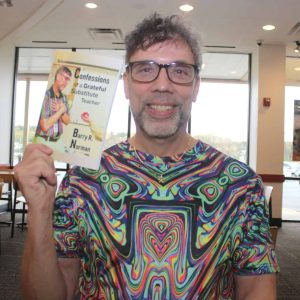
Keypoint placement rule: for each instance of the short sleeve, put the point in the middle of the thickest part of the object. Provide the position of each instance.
(46, 109)
(255, 254)
(66, 232)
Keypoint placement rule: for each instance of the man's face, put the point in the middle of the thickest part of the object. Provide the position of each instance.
(161, 108)
(62, 80)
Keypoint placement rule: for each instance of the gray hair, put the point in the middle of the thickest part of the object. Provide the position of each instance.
(155, 29)
(63, 69)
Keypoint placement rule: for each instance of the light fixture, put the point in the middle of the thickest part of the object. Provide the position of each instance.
(91, 5)
(297, 49)
(186, 7)
(268, 27)
(297, 69)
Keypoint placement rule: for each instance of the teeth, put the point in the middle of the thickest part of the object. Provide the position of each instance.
(161, 107)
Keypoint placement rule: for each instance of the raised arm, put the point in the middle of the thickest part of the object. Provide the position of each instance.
(43, 276)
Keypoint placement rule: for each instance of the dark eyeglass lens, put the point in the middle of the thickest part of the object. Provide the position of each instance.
(148, 71)
(144, 71)
(181, 73)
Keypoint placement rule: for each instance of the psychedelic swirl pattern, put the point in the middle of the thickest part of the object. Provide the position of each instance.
(182, 239)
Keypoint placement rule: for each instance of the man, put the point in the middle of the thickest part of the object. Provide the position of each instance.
(165, 216)
(54, 112)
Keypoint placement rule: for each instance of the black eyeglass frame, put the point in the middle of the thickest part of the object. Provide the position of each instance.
(161, 66)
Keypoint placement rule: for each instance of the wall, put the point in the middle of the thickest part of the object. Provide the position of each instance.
(7, 57)
(267, 150)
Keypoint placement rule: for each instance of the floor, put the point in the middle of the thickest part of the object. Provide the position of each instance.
(288, 252)
(10, 259)
(287, 248)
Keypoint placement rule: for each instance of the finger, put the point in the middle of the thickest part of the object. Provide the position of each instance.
(37, 163)
(37, 147)
(32, 173)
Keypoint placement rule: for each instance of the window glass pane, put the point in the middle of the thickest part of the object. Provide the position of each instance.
(290, 168)
(221, 112)
(132, 126)
(19, 120)
(220, 117)
(118, 122)
(36, 96)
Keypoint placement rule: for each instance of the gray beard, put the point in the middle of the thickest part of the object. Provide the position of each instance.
(155, 131)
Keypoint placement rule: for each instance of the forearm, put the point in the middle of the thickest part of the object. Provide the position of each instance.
(46, 124)
(65, 118)
(41, 275)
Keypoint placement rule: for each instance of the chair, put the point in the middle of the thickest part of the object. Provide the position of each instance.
(1, 186)
(6, 174)
(18, 199)
(268, 193)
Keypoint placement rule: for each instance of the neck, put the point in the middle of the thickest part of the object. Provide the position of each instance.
(163, 147)
(56, 90)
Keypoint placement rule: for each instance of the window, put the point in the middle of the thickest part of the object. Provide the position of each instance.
(29, 99)
(291, 168)
(221, 112)
(224, 91)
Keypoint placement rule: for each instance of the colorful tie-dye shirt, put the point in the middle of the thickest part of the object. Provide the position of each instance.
(182, 235)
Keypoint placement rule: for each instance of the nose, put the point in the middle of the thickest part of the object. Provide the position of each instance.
(162, 82)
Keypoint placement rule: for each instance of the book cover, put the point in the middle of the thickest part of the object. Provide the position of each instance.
(77, 105)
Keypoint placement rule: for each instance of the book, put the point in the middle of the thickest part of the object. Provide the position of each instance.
(77, 105)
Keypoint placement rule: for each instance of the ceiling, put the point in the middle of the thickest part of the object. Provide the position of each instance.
(233, 26)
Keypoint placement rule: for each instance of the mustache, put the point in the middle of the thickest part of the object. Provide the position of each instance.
(162, 98)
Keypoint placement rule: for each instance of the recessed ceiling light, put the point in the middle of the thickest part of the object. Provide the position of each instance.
(297, 49)
(268, 27)
(91, 5)
(297, 69)
(186, 7)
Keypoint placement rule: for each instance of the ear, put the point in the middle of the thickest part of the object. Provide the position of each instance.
(126, 89)
(196, 90)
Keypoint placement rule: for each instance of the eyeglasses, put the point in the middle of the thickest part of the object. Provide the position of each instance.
(148, 71)
(66, 76)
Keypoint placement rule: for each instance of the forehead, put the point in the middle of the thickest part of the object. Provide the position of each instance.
(64, 74)
(166, 51)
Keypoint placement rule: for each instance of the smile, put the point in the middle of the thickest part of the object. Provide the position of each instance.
(161, 107)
